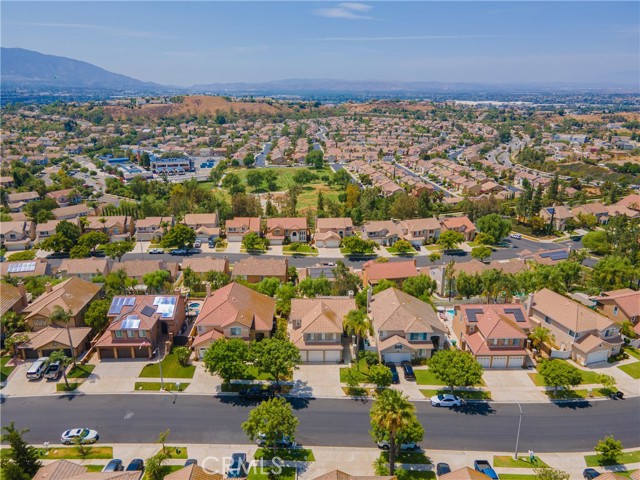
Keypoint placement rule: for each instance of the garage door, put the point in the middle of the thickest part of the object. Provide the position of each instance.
(124, 353)
(597, 357)
(515, 362)
(31, 353)
(499, 362)
(332, 356)
(141, 353)
(397, 357)
(315, 356)
(47, 353)
(201, 352)
(106, 353)
(484, 361)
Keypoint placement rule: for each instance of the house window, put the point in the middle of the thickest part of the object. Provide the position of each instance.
(142, 333)
(398, 346)
(572, 333)
(297, 323)
(118, 333)
(131, 333)
(607, 333)
(547, 319)
(516, 342)
(615, 310)
(236, 331)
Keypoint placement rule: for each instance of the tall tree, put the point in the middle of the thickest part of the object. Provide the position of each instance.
(21, 454)
(272, 420)
(456, 368)
(118, 249)
(227, 358)
(60, 356)
(356, 323)
(275, 356)
(61, 316)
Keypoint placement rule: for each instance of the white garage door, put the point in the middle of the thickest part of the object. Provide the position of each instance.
(499, 362)
(515, 362)
(597, 357)
(315, 356)
(397, 357)
(201, 352)
(332, 356)
(303, 355)
(484, 361)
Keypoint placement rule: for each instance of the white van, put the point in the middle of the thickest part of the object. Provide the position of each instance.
(37, 369)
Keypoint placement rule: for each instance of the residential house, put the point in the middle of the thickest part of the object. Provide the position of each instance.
(202, 266)
(254, 269)
(621, 306)
(340, 475)
(579, 333)
(464, 473)
(12, 299)
(193, 472)
(385, 232)
(72, 211)
(85, 268)
(558, 216)
(16, 201)
(405, 328)
(233, 311)
(137, 269)
(16, 235)
(316, 326)
(496, 334)
(282, 230)
(65, 470)
(460, 224)
(25, 268)
(72, 295)
(205, 225)
(321, 269)
(420, 231)
(65, 197)
(373, 272)
(597, 209)
(118, 227)
(152, 228)
(44, 342)
(47, 229)
(138, 323)
(237, 228)
(331, 231)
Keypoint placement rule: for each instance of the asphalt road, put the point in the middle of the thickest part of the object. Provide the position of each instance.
(138, 418)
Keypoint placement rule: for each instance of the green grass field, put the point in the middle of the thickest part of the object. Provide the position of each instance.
(507, 461)
(302, 455)
(626, 457)
(171, 368)
(5, 370)
(81, 371)
(155, 386)
(588, 377)
(632, 369)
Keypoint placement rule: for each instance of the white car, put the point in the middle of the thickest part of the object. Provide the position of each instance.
(156, 250)
(85, 435)
(517, 236)
(446, 400)
(407, 447)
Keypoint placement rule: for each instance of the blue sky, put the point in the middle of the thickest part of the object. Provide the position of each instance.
(185, 43)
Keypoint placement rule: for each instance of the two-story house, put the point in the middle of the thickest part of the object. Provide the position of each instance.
(118, 227)
(460, 224)
(233, 311)
(292, 229)
(72, 211)
(316, 326)
(137, 323)
(152, 228)
(405, 327)
(17, 201)
(47, 229)
(202, 266)
(16, 235)
(137, 269)
(621, 306)
(65, 197)
(25, 268)
(330, 231)
(237, 228)
(579, 332)
(597, 209)
(420, 231)
(558, 216)
(204, 224)
(385, 232)
(495, 334)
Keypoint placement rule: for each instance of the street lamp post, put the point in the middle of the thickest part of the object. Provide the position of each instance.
(515, 455)
(157, 352)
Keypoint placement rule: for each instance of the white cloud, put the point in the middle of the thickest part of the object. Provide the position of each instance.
(346, 10)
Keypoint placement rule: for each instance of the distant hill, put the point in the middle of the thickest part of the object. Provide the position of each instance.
(27, 68)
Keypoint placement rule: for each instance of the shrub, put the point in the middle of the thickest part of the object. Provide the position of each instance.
(183, 354)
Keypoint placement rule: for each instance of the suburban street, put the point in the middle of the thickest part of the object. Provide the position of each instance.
(325, 422)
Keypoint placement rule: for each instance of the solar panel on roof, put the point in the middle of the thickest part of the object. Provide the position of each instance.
(20, 267)
(129, 301)
(165, 306)
(555, 255)
(148, 311)
(131, 322)
(516, 312)
(472, 314)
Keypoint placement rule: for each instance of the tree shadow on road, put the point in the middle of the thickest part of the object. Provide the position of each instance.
(475, 409)
(573, 405)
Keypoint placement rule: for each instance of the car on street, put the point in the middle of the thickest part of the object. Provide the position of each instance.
(135, 465)
(155, 251)
(53, 371)
(407, 447)
(408, 370)
(256, 393)
(178, 251)
(590, 473)
(238, 467)
(395, 378)
(284, 442)
(517, 236)
(442, 469)
(114, 465)
(86, 435)
(446, 400)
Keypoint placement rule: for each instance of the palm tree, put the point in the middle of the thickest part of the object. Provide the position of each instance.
(60, 356)
(540, 336)
(62, 316)
(391, 412)
(356, 323)
(103, 221)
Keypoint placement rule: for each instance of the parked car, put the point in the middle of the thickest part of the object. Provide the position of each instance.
(53, 371)
(98, 253)
(408, 371)
(446, 400)
(239, 466)
(190, 461)
(155, 251)
(442, 469)
(114, 465)
(517, 236)
(485, 467)
(590, 473)
(407, 447)
(256, 393)
(86, 435)
(178, 251)
(395, 378)
(37, 369)
(135, 465)
(197, 244)
(284, 442)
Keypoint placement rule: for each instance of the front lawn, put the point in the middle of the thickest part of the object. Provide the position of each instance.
(625, 473)
(307, 250)
(588, 377)
(81, 371)
(258, 473)
(394, 251)
(634, 352)
(165, 470)
(349, 253)
(507, 461)
(174, 452)
(626, 457)
(465, 394)
(631, 369)
(94, 468)
(171, 368)
(579, 393)
(302, 454)
(517, 476)
(155, 386)
(415, 458)
(72, 453)
(5, 370)
(362, 372)
(62, 387)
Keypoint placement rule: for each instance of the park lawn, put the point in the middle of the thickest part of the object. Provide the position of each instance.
(81, 371)
(414, 458)
(308, 198)
(302, 454)
(626, 457)
(101, 453)
(507, 461)
(632, 369)
(171, 368)
(62, 387)
(5, 370)
(588, 378)
(155, 386)
(465, 394)
(257, 473)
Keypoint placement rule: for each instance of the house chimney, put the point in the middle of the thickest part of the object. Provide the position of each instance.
(208, 289)
(350, 293)
(369, 291)
(23, 292)
(529, 304)
(47, 287)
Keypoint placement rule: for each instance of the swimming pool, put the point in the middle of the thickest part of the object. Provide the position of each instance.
(194, 305)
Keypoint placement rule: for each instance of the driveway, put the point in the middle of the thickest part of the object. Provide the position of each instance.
(114, 376)
(233, 247)
(19, 384)
(318, 380)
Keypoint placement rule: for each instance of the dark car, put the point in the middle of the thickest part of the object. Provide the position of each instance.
(256, 393)
(590, 473)
(395, 378)
(238, 467)
(98, 253)
(178, 251)
(191, 461)
(408, 371)
(442, 469)
(114, 465)
(135, 465)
